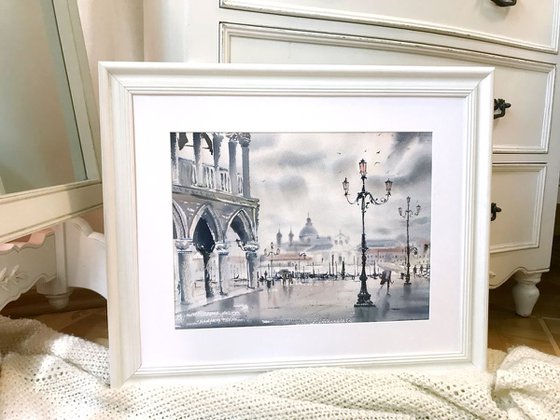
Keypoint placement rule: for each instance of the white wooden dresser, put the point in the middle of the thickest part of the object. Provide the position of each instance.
(518, 38)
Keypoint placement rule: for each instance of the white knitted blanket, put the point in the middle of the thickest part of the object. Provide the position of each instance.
(48, 375)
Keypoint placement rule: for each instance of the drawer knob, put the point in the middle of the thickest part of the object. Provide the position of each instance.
(505, 3)
(494, 210)
(500, 106)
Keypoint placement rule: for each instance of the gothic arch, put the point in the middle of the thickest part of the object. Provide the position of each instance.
(180, 222)
(241, 224)
(208, 214)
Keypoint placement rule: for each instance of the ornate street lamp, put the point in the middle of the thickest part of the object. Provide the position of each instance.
(271, 254)
(406, 214)
(364, 199)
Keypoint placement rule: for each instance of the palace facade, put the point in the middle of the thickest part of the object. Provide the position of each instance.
(215, 219)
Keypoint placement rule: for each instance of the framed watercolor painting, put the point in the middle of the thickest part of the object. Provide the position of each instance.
(264, 217)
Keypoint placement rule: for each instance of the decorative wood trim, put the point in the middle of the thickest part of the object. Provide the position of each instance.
(24, 263)
(229, 31)
(539, 168)
(324, 13)
(492, 275)
(76, 257)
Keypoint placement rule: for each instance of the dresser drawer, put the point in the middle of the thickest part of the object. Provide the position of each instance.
(518, 190)
(529, 24)
(527, 85)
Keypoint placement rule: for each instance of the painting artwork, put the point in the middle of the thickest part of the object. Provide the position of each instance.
(300, 228)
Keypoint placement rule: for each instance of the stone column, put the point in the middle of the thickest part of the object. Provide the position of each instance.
(184, 278)
(232, 169)
(174, 158)
(196, 149)
(224, 275)
(244, 141)
(251, 256)
(216, 147)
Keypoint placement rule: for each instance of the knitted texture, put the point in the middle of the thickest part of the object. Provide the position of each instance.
(48, 375)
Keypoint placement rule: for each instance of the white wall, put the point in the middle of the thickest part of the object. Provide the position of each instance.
(113, 31)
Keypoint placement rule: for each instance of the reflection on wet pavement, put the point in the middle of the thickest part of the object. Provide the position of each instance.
(318, 302)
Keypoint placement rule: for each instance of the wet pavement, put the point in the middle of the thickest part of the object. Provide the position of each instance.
(315, 302)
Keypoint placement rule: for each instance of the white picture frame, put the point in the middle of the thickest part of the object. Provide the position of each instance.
(142, 103)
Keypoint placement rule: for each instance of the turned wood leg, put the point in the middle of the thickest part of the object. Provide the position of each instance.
(526, 293)
(59, 301)
(57, 291)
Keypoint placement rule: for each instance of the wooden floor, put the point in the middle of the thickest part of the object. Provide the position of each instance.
(542, 329)
(505, 329)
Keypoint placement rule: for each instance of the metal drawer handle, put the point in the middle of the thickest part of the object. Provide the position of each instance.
(505, 3)
(494, 210)
(500, 105)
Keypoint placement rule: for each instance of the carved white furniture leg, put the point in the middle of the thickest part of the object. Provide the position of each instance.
(85, 256)
(525, 292)
(24, 264)
(57, 291)
(55, 260)
(80, 260)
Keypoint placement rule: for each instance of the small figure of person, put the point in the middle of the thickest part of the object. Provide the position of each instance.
(386, 279)
(414, 270)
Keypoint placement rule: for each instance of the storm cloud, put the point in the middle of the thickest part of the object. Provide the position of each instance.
(301, 173)
(291, 159)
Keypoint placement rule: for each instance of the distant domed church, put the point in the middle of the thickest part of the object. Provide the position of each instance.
(308, 234)
(310, 252)
(309, 239)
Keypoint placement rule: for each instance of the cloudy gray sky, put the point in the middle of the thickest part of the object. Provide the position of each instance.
(297, 174)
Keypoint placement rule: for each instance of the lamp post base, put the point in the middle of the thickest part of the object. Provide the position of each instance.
(407, 280)
(363, 299)
(367, 304)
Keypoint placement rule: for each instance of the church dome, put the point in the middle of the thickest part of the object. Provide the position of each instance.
(308, 232)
